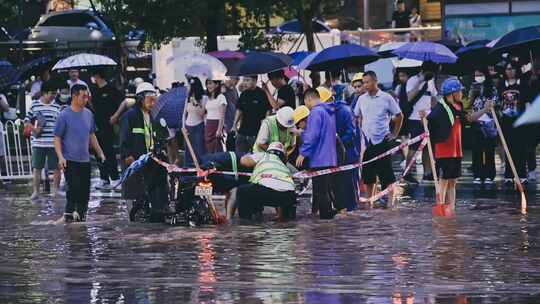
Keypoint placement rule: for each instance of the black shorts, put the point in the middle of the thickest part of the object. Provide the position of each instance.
(450, 167)
(415, 129)
(381, 168)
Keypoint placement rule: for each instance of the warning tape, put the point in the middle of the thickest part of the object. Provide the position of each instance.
(171, 168)
(309, 174)
(391, 186)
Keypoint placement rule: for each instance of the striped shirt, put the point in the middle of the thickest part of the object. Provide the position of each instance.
(50, 112)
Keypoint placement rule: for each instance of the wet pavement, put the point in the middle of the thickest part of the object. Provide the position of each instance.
(487, 253)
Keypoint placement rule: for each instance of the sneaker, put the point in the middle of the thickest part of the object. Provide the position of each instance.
(508, 181)
(410, 179)
(523, 181)
(34, 196)
(489, 181)
(531, 176)
(477, 181)
(428, 177)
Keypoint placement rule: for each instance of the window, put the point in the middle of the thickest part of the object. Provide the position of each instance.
(69, 20)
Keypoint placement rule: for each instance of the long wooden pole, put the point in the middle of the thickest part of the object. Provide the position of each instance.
(432, 161)
(511, 162)
(217, 217)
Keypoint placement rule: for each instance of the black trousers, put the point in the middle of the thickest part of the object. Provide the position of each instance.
(78, 187)
(516, 143)
(253, 197)
(108, 169)
(324, 197)
(483, 156)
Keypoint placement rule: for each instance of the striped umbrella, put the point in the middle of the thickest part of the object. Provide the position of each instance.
(82, 61)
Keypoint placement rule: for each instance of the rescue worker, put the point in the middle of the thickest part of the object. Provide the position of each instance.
(345, 187)
(136, 139)
(271, 184)
(300, 116)
(276, 128)
(228, 184)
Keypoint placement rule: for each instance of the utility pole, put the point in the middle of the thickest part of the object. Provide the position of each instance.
(366, 14)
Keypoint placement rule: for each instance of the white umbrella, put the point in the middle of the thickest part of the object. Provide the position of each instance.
(531, 115)
(83, 60)
(199, 65)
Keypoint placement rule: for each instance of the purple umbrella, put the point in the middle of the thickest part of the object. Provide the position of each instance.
(426, 51)
(170, 106)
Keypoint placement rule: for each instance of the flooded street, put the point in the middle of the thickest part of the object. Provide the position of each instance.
(487, 253)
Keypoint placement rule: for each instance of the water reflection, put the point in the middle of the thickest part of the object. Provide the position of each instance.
(485, 253)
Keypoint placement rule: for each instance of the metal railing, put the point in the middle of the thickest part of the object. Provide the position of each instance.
(17, 152)
(371, 38)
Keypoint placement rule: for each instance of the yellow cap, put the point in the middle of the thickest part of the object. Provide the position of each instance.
(324, 94)
(358, 77)
(300, 113)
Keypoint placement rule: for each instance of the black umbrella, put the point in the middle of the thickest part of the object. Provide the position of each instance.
(342, 56)
(256, 63)
(523, 41)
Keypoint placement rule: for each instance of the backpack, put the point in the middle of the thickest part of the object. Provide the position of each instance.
(406, 105)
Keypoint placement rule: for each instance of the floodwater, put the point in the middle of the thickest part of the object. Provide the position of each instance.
(487, 253)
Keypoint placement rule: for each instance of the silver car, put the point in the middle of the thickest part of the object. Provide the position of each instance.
(73, 27)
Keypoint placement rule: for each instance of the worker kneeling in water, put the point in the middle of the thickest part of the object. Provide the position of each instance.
(270, 185)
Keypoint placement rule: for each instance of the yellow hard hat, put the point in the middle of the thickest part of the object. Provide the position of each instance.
(300, 113)
(358, 77)
(324, 94)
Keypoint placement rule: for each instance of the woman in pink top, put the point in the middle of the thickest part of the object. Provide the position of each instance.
(215, 116)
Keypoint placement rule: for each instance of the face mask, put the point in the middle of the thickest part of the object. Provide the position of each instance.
(64, 98)
(93, 80)
(479, 79)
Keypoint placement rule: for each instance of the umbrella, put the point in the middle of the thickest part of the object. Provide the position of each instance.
(34, 66)
(470, 57)
(452, 45)
(426, 51)
(226, 54)
(341, 56)
(200, 65)
(306, 61)
(385, 50)
(83, 61)
(523, 39)
(531, 115)
(8, 74)
(170, 106)
(299, 56)
(257, 63)
(295, 27)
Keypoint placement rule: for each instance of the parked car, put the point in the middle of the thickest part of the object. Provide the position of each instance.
(72, 28)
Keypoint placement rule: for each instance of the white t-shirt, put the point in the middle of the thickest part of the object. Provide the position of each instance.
(424, 103)
(214, 107)
(269, 182)
(195, 114)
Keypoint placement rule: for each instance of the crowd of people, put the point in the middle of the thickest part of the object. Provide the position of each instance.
(274, 132)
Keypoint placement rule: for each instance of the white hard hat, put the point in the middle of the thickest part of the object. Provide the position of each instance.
(137, 81)
(285, 117)
(276, 146)
(145, 87)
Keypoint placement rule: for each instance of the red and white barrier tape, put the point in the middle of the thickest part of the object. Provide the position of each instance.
(309, 174)
(391, 186)
(175, 169)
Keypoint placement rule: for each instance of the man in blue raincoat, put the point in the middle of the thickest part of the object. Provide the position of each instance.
(345, 188)
(319, 148)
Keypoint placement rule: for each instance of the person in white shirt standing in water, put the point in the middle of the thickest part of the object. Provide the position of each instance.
(422, 95)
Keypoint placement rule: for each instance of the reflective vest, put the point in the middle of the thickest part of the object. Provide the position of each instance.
(271, 166)
(274, 134)
(147, 132)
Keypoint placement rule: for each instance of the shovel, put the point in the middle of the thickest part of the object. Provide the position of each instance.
(218, 218)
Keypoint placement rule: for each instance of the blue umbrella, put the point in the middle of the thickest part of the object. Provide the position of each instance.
(8, 74)
(470, 57)
(341, 56)
(257, 63)
(426, 51)
(299, 56)
(170, 106)
(33, 66)
(523, 39)
(295, 27)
